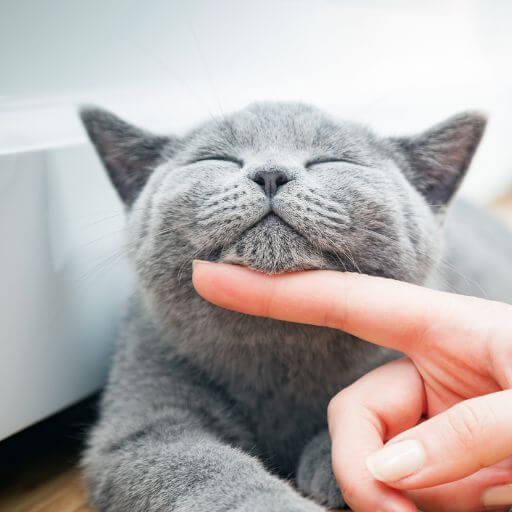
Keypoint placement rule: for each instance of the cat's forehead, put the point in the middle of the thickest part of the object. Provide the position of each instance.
(280, 126)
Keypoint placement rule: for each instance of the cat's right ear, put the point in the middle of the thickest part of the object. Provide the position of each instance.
(129, 154)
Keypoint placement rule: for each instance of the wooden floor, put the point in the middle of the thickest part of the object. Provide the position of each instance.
(62, 492)
(38, 467)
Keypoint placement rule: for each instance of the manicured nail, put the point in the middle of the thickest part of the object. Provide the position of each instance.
(396, 461)
(498, 496)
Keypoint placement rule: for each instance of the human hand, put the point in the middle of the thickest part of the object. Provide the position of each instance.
(457, 378)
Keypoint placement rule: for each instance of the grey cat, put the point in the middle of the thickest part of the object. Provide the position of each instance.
(211, 410)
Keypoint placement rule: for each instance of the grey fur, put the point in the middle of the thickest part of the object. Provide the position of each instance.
(211, 410)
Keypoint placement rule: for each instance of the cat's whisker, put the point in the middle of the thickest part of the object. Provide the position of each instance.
(425, 254)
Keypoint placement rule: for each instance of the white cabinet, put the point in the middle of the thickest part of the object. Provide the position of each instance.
(63, 281)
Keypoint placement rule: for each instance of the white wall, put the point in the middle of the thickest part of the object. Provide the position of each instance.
(399, 65)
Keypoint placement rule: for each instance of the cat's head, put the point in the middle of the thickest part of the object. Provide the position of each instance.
(281, 187)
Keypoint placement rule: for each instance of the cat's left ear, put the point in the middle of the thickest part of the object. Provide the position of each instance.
(129, 154)
(436, 160)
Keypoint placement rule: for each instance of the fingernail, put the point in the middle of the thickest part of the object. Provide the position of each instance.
(496, 496)
(396, 461)
(198, 262)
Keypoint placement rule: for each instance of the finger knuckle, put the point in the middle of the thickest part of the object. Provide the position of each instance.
(332, 407)
(336, 404)
(466, 424)
(337, 314)
(267, 306)
(341, 402)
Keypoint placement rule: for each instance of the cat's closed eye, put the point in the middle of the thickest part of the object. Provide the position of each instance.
(219, 158)
(322, 161)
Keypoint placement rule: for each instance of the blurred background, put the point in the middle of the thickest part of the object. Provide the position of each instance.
(398, 66)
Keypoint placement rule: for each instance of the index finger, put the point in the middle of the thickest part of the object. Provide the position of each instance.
(383, 311)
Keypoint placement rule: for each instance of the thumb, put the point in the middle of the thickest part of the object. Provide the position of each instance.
(471, 435)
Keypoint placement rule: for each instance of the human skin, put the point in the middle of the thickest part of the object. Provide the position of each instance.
(450, 398)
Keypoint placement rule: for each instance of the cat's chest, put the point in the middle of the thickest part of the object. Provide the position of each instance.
(278, 376)
(282, 420)
(286, 404)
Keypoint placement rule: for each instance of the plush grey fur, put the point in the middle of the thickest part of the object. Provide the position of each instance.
(211, 410)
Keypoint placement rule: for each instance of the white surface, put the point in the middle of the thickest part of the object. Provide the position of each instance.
(398, 65)
(63, 281)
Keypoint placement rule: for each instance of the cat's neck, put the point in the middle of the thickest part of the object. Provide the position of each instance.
(259, 354)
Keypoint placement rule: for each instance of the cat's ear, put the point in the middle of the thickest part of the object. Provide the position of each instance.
(128, 153)
(435, 161)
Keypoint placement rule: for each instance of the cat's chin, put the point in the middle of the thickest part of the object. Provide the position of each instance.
(275, 268)
(273, 247)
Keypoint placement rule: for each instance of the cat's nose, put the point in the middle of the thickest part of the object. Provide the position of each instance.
(270, 180)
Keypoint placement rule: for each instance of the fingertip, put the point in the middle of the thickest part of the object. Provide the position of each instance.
(199, 275)
(229, 286)
(209, 279)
